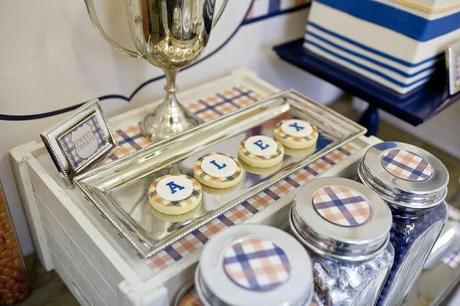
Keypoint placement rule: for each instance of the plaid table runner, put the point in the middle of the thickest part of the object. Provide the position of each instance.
(224, 101)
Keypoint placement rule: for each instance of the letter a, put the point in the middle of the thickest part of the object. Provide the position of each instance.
(174, 187)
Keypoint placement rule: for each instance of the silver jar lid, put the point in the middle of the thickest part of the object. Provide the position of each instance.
(404, 175)
(340, 218)
(248, 265)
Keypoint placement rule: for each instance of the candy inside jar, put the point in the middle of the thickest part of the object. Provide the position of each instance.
(345, 228)
(413, 183)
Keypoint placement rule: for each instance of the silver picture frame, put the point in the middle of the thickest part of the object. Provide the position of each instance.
(80, 140)
(453, 67)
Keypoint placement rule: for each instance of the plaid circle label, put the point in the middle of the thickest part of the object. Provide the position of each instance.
(406, 165)
(256, 264)
(341, 205)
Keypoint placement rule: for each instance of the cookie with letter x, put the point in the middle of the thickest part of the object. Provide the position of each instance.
(261, 151)
(218, 170)
(175, 194)
(296, 134)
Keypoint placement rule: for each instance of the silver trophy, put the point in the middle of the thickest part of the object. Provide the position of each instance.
(169, 34)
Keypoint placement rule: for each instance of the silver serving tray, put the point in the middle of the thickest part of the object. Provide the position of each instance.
(119, 189)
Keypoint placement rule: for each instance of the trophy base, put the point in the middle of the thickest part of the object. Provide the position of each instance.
(166, 121)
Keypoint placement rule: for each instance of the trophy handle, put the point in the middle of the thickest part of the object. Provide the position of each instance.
(95, 21)
(219, 14)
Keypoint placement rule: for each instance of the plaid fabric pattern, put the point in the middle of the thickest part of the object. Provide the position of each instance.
(197, 170)
(71, 149)
(208, 109)
(130, 139)
(341, 205)
(406, 165)
(192, 199)
(240, 213)
(256, 264)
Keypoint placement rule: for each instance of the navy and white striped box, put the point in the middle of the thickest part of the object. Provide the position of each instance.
(390, 43)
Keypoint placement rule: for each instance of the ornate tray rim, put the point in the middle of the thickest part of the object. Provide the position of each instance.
(141, 244)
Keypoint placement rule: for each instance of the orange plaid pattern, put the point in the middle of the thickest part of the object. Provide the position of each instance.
(131, 140)
(406, 165)
(341, 205)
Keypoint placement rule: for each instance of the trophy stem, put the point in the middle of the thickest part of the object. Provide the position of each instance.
(170, 117)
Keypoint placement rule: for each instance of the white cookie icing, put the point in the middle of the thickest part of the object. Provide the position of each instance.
(174, 188)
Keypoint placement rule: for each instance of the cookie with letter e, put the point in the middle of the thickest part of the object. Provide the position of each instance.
(261, 151)
(175, 194)
(296, 134)
(218, 170)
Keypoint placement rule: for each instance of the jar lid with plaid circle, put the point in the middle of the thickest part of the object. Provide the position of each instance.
(254, 265)
(340, 218)
(404, 175)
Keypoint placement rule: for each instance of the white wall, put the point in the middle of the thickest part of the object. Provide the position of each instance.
(51, 57)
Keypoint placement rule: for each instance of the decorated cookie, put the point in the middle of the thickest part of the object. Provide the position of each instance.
(261, 152)
(175, 194)
(218, 170)
(296, 134)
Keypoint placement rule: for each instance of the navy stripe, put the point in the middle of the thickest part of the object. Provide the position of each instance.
(368, 69)
(225, 220)
(373, 50)
(276, 13)
(398, 20)
(274, 6)
(200, 236)
(250, 207)
(369, 59)
(344, 151)
(271, 194)
(292, 182)
(173, 253)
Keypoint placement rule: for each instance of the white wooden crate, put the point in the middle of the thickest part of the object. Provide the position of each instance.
(71, 237)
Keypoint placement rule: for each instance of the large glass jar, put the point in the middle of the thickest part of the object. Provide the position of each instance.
(14, 285)
(345, 228)
(249, 265)
(413, 183)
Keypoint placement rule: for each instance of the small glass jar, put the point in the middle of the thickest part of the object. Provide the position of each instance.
(413, 183)
(249, 265)
(345, 228)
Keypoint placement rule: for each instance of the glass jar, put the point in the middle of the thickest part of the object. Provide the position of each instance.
(249, 265)
(14, 285)
(345, 228)
(413, 183)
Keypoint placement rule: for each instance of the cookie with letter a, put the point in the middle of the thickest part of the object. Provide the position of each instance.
(175, 194)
